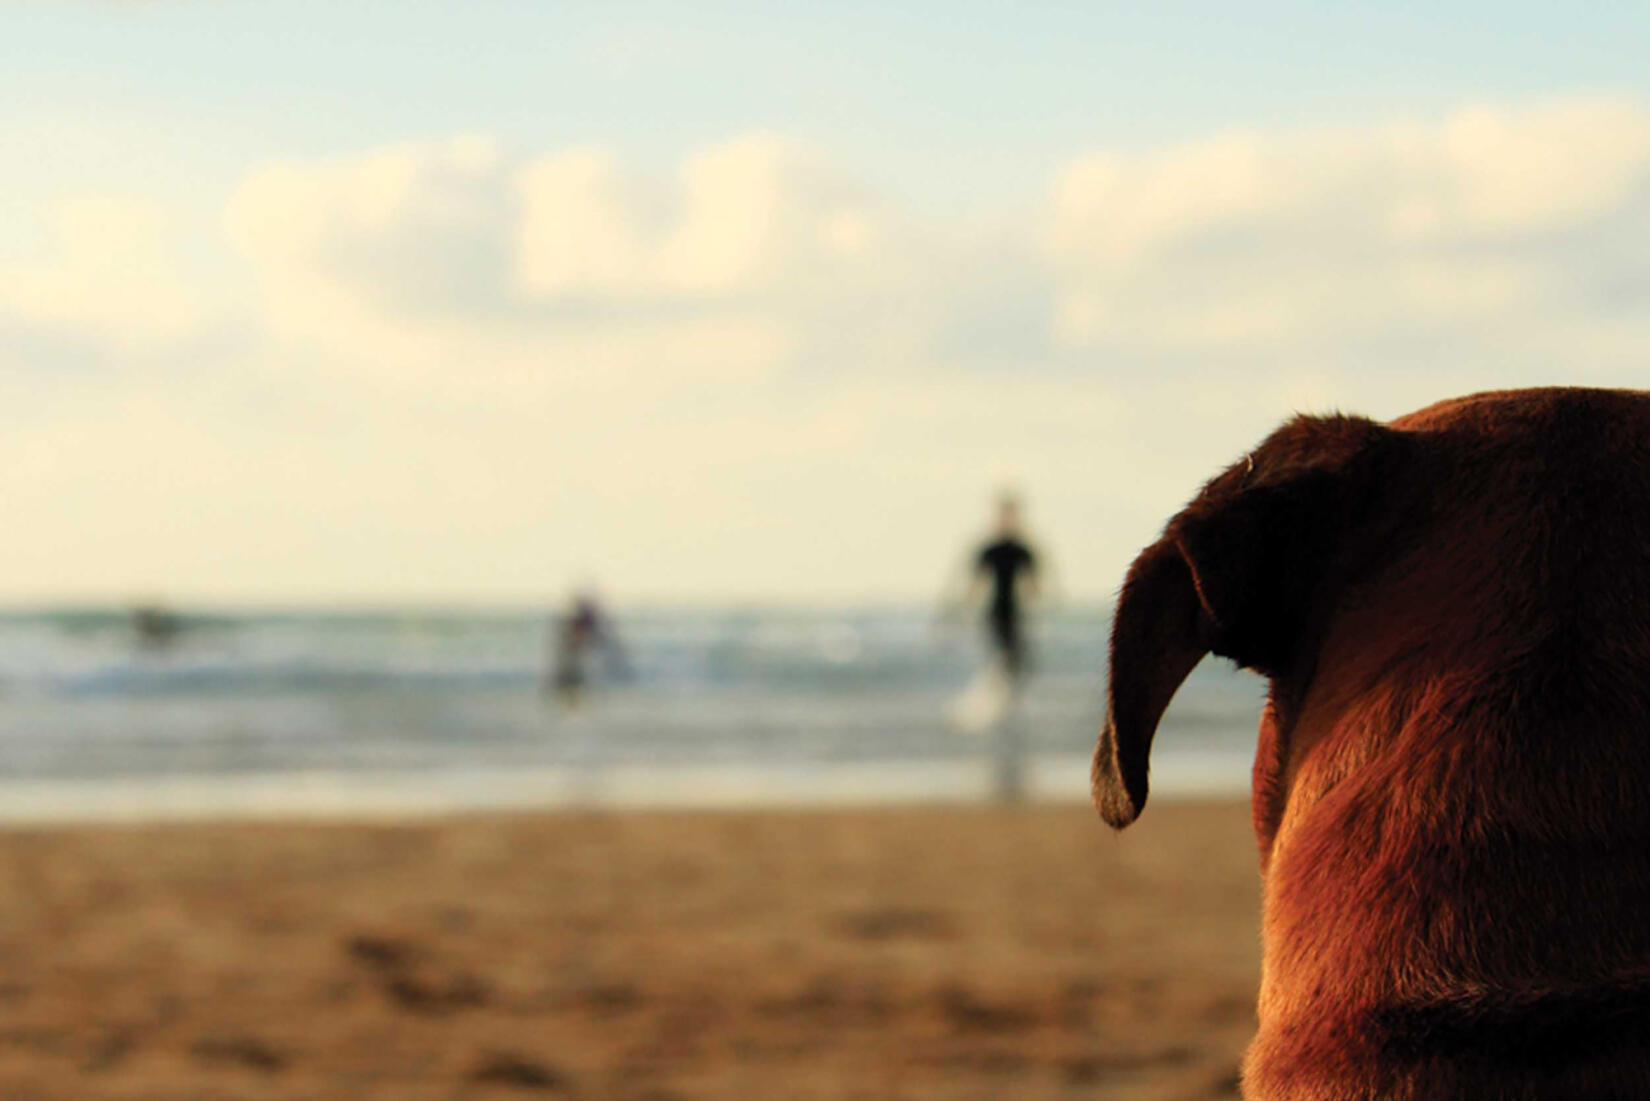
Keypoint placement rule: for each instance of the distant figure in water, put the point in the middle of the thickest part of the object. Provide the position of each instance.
(156, 627)
(575, 637)
(1004, 575)
(1007, 566)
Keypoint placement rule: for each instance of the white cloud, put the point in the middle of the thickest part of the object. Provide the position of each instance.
(108, 272)
(579, 229)
(456, 264)
(1480, 233)
(410, 232)
(751, 216)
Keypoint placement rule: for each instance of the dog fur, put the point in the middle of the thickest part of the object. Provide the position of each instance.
(1452, 785)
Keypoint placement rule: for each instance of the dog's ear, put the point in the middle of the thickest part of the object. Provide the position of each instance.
(1236, 573)
(1157, 637)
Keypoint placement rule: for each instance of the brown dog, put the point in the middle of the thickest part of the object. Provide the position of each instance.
(1452, 787)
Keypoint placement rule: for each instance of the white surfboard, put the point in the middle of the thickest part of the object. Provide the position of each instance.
(982, 704)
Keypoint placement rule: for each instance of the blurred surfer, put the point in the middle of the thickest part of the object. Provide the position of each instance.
(1002, 576)
(155, 626)
(575, 636)
(1007, 565)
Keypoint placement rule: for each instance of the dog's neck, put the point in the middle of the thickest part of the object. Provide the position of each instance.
(1449, 847)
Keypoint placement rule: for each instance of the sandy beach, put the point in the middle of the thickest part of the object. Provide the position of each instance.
(936, 952)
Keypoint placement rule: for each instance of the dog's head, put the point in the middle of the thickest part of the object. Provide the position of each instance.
(1350, 561)
(1451, 609)
(1249, 571)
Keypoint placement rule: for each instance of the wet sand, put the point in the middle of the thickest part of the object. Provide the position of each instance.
(904, 953)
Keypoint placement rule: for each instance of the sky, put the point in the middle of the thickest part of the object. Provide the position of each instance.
(372, 302)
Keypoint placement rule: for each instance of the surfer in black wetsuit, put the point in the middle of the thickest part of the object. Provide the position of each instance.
(1007, 573)
(1009, 566)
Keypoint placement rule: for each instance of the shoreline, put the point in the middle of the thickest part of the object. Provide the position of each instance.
(413, 795)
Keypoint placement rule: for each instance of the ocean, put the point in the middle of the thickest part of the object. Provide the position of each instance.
(425, 710)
